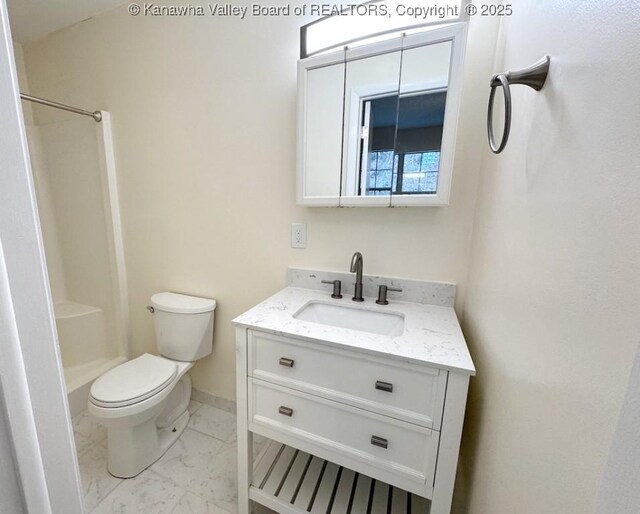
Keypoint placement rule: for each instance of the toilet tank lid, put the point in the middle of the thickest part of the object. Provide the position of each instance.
(182, 303)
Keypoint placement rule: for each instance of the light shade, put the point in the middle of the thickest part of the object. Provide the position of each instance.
(370, 19)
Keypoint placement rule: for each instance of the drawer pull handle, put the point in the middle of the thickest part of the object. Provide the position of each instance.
(379, 441)
(384, 386)
(288, 363)
(286, 411)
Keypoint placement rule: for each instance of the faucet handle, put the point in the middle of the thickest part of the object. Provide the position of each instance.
(382, 294)
(337, 287)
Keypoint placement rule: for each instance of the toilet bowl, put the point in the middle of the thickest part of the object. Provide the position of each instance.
(143, 402)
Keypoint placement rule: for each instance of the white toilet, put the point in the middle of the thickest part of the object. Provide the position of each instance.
(143, 402)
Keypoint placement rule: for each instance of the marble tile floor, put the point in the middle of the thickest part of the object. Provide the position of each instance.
(197, 475)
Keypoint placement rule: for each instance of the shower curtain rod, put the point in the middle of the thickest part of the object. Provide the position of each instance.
(96, 115)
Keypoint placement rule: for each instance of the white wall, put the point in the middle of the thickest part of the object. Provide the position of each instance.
(23, 81)
(620, 491)
(10, 493)
(204, 126)
(554, 290)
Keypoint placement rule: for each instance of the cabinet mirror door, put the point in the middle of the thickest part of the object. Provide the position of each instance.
(424, 80)
(371, 92)
(322, 137)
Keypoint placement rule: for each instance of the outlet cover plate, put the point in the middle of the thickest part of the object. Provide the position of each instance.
(298, 235)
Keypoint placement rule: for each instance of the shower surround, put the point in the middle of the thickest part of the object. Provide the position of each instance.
(74, 174)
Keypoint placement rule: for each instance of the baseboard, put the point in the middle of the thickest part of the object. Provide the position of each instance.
(214, 401)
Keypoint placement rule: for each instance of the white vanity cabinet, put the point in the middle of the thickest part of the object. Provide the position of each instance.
(386, 425)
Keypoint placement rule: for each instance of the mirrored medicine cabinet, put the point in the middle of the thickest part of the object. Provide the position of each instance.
(377, 123)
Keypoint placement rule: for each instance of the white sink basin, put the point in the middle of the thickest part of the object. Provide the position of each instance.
(356, 318)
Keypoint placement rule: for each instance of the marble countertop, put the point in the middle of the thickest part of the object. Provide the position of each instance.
(432, 334)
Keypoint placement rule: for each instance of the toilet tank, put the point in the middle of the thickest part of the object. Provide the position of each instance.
(184, 325)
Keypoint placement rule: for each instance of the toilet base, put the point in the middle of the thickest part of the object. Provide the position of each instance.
(170, 435)
(133, 449)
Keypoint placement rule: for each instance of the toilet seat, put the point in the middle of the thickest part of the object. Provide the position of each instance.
(133, 382)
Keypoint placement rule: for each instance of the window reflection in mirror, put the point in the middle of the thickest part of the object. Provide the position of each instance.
(377, 166)
(371, 92)
(424, 80)
(401, 140)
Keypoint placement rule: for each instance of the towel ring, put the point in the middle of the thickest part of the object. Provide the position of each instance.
(534, 76)
(504, 82)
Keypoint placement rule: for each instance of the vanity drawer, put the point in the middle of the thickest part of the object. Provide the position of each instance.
(398, 448)
(402, 390)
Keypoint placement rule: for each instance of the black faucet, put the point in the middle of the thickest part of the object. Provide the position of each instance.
(356, 267)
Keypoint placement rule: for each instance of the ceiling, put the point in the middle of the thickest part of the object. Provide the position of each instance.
(32, 19)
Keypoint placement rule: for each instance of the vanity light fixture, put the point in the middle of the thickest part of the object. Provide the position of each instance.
(365, 22)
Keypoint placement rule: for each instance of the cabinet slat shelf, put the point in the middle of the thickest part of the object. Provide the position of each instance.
(291, 481)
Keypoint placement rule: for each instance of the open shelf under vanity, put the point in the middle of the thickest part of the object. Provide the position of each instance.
(291, 481)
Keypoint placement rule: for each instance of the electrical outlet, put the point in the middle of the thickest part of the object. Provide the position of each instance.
(298, 235)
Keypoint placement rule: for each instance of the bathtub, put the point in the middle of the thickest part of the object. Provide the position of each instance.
(86, 351)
